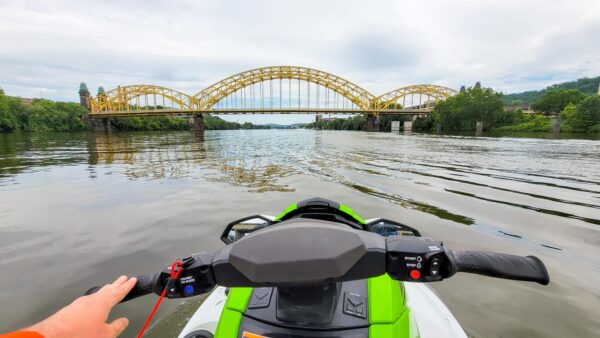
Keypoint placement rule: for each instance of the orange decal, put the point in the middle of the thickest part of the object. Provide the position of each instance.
(247, 334)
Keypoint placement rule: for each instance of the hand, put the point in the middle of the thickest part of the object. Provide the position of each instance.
(87, 315)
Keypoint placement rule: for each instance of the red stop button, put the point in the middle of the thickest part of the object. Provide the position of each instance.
(415, 274)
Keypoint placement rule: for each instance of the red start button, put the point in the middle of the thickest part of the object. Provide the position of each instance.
(415, 274)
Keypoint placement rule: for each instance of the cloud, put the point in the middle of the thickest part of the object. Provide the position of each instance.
(512, 45)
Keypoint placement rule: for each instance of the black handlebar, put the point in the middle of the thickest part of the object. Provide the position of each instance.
(340, 254)
(145, 285)
(498, 265)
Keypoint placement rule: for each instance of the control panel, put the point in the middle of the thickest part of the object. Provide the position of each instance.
(195, 279)
(414, 259)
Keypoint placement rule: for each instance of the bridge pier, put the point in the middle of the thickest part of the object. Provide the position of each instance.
(196, 123)
(395, 127)
(555, 123)
(408, 126)
(372, 122)
(478, 128)
(101, 125)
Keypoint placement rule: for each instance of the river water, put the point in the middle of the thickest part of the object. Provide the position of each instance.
(79, 209)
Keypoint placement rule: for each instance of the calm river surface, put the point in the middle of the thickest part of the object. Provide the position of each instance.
(79, 209)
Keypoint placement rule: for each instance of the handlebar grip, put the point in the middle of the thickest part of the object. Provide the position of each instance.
(145, 285)
(500, 265)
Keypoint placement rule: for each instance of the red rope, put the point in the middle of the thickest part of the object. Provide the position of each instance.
(176, 269)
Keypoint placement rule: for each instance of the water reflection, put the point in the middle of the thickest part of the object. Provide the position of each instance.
(261, 163)
(183, 155)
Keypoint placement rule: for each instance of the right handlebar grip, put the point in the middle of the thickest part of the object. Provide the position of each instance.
(500, 265)
(145, 285)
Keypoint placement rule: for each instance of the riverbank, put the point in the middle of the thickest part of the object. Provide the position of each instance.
(577, 112)
(39, 115)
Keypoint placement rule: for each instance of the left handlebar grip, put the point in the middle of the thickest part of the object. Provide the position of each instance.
(145, 285)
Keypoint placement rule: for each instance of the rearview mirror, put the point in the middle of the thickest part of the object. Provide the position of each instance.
(385, 228)
(240, 228)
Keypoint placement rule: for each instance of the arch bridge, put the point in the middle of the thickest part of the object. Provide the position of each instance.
(268, 90)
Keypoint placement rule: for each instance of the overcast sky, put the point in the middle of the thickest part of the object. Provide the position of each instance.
(380, 45)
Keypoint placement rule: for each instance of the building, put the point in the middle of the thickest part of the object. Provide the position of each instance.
(84, 96)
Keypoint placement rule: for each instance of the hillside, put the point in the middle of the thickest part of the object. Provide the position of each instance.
(585, 85)
(285, 126)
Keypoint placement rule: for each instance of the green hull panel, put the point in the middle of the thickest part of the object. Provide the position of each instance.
(231, 317)
(389, 317)
(287, 210)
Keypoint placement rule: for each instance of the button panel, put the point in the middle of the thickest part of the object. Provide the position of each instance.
(414, 259)
(434, 267)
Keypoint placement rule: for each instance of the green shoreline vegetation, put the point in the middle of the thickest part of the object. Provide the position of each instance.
(576, 104)
(39, 115)
(578, 112)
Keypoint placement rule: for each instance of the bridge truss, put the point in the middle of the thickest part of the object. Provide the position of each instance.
(269, 90)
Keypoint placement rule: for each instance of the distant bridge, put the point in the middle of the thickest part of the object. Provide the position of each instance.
(268, 90)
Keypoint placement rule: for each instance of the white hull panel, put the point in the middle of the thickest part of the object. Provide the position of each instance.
(433, 317)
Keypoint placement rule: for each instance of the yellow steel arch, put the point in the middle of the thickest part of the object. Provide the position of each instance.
(210, 96)
(436, 92)
(129, 97)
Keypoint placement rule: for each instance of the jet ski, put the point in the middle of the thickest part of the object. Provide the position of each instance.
(320, 270)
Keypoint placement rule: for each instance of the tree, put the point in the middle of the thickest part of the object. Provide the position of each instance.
(569, 111)
(584, 117)
(461, 111)
(591, 107)
(554, 101)
(8, 121)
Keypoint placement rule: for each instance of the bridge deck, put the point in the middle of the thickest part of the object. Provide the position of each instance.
(160, 112)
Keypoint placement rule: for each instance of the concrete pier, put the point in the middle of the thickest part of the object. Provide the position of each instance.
(555, 124)
(396, 127)
(196, 123)
(101, 125)
(372, 122)
(408, 126)
(479, 128)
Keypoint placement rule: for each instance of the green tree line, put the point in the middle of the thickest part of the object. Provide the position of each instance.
(41, 115)
(156, 123)
(359, 122)
(578, 112)
(584, 85)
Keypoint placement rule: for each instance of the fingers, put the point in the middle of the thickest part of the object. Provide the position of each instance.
(113, 293)
(119, 292)
(118, 326)
(119, 281)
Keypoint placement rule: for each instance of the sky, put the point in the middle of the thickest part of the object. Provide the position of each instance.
(48, 47)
